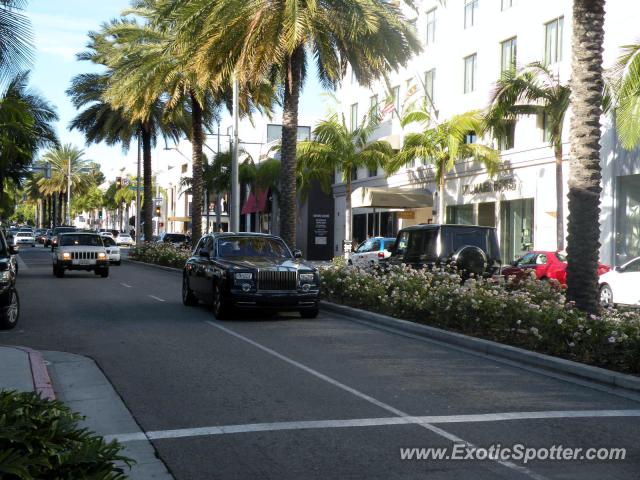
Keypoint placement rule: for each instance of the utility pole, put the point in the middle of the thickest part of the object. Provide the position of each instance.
(138, 195)
(69, 193)
(235, 186)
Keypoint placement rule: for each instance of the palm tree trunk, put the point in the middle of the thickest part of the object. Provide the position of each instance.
(288, 201)
(196, 174)
(559, 198)
(585, 174)
(147, 173)
(348, 212)
(441, 188)
(218, 211)
(61, 209)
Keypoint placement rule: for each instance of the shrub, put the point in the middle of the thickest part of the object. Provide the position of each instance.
(529, 313)
(41, 439)
(160, 254)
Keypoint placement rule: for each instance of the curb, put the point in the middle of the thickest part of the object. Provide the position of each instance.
(152, 265)
(495, 349)
(39, 373)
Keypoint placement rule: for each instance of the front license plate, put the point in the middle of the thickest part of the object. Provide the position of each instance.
(82, 262)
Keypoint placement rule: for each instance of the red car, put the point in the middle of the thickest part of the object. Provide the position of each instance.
(544, 265)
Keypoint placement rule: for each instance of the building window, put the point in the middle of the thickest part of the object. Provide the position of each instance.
(546, 128)
(470, 138)
(460, 214)
(354, 117)
(506, 4)
(516, 228)
(429, 82)
(395, 94)
(374, 108)
(553, 41)
(431, 27)
(184, 168)
(373, 172)
(470, 66)
(508, 141)
(627, 239)
(470, 13)
(508, 55)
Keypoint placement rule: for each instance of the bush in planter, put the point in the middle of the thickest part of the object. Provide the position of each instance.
(41, 439)
(160, 254)
(529, 314)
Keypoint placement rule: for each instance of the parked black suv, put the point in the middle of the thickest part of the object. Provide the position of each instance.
(9, 301)
(471, 249)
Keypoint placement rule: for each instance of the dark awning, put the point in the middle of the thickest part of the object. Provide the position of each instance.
(366, 197)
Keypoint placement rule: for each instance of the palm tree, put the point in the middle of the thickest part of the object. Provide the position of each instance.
(534, 90)
(337, 148)
(26, 126)
(624, 95)
(253, 39)
(15, 39)
(584, 172)
(442, 145)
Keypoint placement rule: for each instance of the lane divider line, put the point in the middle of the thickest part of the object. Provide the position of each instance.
(432, 428)
(367, 422)
(125, 285)
(156, 298)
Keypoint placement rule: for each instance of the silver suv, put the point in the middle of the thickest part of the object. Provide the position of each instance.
(80, 251)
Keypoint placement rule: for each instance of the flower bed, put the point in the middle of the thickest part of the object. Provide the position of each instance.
(160, 254)
(528, 314)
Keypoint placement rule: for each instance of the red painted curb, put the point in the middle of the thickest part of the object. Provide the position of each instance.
(39, 373)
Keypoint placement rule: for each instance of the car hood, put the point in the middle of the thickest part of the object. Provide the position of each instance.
(264, 263)
(81, 248)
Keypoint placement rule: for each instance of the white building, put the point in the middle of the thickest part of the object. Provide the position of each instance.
(465, 44)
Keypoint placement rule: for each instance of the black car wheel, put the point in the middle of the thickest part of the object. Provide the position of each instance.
(188, 298)
(606, 296)
(220, 308)
(104, 272)
(58, 271)
(11, 313)
(309, 313)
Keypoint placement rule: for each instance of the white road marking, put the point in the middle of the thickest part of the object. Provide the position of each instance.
(432, 428)
(125, 285)
(156, 298)
(368, 422)
(21, 263)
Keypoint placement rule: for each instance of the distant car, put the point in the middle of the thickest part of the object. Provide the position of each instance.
(124, 239)
(472, 249)
(543, 265)
(24, 238)
(40, 235)
(370, 252)
(80, 251)
(176, 239)
(250, 271)
(57, 231)
(107, 234)
(113, 251)
(620, 285)
(9, 300)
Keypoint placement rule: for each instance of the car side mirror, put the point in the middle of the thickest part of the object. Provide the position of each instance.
(13, 250)
(619, 269)
(297, 254)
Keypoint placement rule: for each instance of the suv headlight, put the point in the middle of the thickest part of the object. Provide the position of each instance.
(307, 278)
(244, 276)
(66, 256)
(102, 255)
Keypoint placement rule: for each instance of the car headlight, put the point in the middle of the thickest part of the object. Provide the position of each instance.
(5, 276)
(66, 256)
(244, 276)
(307, 278)
(102, 255)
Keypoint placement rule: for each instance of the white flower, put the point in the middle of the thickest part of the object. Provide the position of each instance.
(612, 340)
(572, 345)
(559, 321)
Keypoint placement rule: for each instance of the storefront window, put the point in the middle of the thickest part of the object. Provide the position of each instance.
(460, 214)
(628, 219)
(516, 230)
(487, 214)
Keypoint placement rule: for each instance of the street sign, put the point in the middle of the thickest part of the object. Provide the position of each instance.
(134, 187)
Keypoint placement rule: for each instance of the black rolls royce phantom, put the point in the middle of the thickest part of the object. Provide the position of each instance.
(253, 271)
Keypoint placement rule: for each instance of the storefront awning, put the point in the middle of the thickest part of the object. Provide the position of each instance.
(390, 198)
(179, 219)
(256, 202)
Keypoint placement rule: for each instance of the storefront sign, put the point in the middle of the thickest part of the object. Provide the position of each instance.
(320, 228)
(407, 215)
(491, 186)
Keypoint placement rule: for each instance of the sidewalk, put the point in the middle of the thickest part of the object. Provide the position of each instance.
(79, 383)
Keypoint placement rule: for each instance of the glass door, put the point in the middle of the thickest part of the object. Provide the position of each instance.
(516, 230)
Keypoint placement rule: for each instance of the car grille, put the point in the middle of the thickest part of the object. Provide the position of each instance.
(275, 280)
(84, 255)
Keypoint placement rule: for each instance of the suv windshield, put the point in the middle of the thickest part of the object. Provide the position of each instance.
(108, 241)
(252, 247)
(85, 240)
(59, 230)
(23, 234)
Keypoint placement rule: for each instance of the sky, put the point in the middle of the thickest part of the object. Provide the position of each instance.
(60, 29)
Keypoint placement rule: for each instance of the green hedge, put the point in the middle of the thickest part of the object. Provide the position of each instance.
(41, 439)
(529, 314)
(160, 254)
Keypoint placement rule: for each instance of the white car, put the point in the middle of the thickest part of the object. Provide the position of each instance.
(124, 239)
(106, 234)
(24, 238)
(369, 253)
(113, 251)
(620, 286)
(80, 251)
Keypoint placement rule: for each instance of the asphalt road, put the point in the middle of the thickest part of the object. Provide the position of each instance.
(285, 398)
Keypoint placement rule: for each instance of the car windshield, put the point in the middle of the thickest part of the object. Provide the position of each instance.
(175, 237)
(561, 257)
(85, 240)
(24, 234)
(59, 230)
(108, 241)
(252, 247)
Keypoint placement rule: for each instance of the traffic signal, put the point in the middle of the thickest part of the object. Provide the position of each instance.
(100, 214)
(118, 182)
(158, 210)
